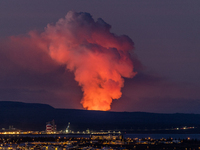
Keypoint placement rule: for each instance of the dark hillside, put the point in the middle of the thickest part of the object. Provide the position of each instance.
(28, 116)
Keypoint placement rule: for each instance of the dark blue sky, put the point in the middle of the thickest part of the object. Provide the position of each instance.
(167, 43)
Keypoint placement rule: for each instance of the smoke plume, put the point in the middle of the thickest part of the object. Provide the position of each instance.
(98, 58)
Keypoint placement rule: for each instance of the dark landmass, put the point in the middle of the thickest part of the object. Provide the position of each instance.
(27, 116)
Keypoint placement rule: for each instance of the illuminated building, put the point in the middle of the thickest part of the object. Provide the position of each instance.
(67, 129)
(50, 127)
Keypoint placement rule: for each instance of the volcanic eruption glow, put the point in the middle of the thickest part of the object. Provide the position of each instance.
(98, 58)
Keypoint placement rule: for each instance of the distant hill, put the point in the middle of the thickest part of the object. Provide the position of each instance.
(28, 116)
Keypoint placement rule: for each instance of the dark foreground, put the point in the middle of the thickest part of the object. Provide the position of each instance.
(97, 142)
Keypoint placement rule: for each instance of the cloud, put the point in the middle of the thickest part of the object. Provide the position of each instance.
(41, 67)
(98, 58)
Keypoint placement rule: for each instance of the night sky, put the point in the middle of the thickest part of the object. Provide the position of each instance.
(166, 55)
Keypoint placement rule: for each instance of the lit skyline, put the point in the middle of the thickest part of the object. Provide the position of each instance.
(166, 40)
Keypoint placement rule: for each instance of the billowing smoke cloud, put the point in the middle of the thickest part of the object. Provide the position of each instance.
(35, 68)
(98, 58)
